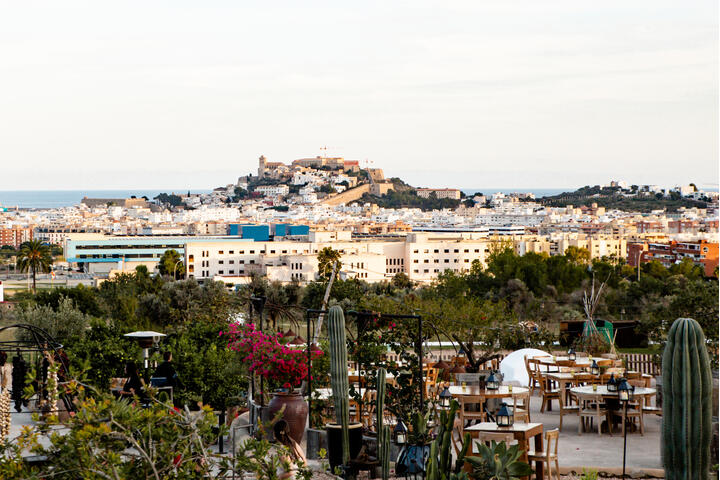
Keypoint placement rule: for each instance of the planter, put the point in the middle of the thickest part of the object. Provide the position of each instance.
(334, 442)
(295, 414)
(412, 459)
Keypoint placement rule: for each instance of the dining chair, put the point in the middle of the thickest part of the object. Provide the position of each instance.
(467, 415)
(591, 409)
(521, 407)
(566, 409)
(530, 367)
(546, 391)
(549, 455)
(497, 437)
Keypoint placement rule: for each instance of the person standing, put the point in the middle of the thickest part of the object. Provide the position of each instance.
(19, 371)
(167, 370)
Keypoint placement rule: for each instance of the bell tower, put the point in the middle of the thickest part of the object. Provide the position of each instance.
(261, 166)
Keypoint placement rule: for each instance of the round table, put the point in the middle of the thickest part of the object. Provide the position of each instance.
(589, 393)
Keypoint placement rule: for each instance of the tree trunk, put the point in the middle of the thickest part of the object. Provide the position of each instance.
(33, 275)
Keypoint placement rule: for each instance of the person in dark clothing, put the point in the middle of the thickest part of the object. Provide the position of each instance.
(18, 380)
(166, 370)
(134, 384)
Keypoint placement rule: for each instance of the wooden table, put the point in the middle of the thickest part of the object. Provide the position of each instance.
(579, 361)
(522, 432)
(475, 390)
(588, 393)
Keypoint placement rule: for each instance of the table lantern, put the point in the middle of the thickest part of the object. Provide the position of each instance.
(445, 397)
(492, 382)
(504, 418)
(400, 433)
(572, 356)
(625, 392)
(612, 384)
(595, 368)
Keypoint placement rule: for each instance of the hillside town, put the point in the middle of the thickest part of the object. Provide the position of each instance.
(275, 223)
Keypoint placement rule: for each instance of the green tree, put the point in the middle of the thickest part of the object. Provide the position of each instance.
(64, 323)
(328, 258)
(171, 264)
(35, 257)
(579, 256)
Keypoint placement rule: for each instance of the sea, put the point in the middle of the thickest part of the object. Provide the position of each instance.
(42, 199)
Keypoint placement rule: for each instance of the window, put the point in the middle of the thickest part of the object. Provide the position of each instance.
(447, 250)
(221, 272)
(220, 252)
(241, 262)
(231, 262)
(456, 251)
(467, 261)
(415, 261)
(231, 252)
(416, 251)
(477, 250)
(284, 251)
(220, 262)
(447, 260)
(191, 258)
(436, 261)
(231, 272)
(425, 271)
(415, 271)
(467, 251)
(426, 261)
(272, 251)
(436, 251)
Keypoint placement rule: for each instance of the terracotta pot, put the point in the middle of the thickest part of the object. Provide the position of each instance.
(295, 414)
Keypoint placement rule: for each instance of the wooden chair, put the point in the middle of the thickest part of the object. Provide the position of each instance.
(521, 407)
(497, 437)
(530, 367)
(467, 415)
(566, 409)
(550, 455)
(589, 411)
(546, 391)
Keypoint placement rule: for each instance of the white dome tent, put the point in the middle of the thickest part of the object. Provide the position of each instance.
(512, 366)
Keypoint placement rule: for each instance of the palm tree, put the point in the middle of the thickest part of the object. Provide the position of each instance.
(34, 256)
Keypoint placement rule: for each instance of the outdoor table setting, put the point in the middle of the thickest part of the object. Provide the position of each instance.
(522, 432)
(598, 393)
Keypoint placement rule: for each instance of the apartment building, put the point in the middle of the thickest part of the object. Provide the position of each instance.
(452, 193)
(702, 253)
(15, 235)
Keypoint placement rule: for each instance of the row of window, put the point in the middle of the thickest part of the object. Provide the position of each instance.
(447, 250)
(437, 260)
(394, 261)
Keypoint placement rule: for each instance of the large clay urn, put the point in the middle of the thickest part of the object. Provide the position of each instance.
(295, 414)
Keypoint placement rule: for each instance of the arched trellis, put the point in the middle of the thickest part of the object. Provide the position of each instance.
(38, 341)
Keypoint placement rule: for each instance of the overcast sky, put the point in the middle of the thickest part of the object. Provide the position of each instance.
(523, 94)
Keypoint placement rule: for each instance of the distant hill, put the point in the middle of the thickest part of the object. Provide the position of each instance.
(617, 198)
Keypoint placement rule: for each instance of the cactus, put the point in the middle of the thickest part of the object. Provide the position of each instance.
(383, 449)
(687, 402)
(440, 464)
(339, 376)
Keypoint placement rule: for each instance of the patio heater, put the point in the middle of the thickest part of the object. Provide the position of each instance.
(146, 340)
(625, 394)
(445, 397)
(504, 418)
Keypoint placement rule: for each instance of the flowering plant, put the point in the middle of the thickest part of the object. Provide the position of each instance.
(279, 364)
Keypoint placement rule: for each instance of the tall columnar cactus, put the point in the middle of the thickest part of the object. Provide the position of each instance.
(687, 402)
(440, 464)
(339, 375)
(383, 449)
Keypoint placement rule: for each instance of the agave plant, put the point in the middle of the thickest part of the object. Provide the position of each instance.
(498, 462)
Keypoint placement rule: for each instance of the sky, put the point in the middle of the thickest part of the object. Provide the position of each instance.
(521, 94)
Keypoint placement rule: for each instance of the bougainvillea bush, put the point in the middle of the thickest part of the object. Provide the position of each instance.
(281, 365)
